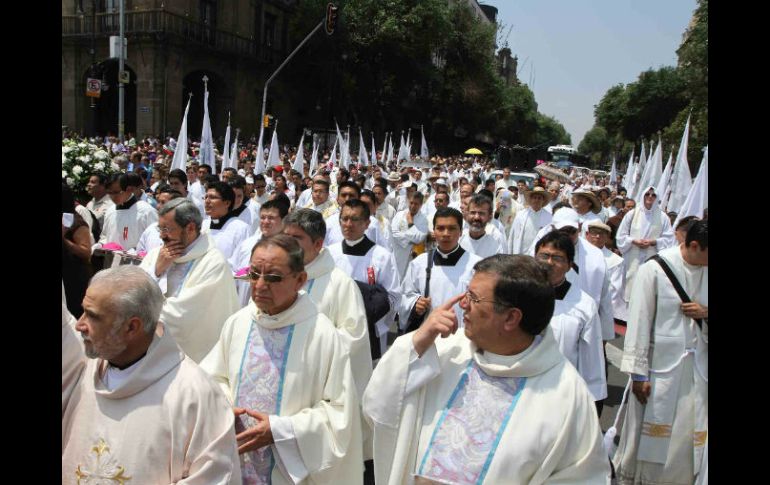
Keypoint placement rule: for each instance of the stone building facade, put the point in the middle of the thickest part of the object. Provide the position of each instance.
(171, 45)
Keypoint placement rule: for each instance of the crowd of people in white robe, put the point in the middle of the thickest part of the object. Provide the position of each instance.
(268, 367)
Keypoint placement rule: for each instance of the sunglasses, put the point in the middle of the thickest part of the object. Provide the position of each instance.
(269, 278)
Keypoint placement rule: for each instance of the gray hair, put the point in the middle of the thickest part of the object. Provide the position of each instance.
(186, 212)
(308, 220)
(133, 294)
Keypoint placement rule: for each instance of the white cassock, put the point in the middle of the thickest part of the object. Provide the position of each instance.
(228, 233)
(449, 277)
(641, 223)
(326, 209)
(162, 406)
(382, 231)
(386, 211)
(254, 207)
(195, 192)
(247, 216)
(592, 277)
(664, 440)
(100, 207)
(526, 225)
(462, 416)
(150, 239)
(491, 243)
(405, 237)
(305, 198)
(337, 296)
(124, 224)
(576, 327)
(240, 259)
(200, 295)
(294, 367)
(370, 263)
(617, 277)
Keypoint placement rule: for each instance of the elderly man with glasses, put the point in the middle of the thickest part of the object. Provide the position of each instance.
(286, 371)
(498, 393)
(194, 276)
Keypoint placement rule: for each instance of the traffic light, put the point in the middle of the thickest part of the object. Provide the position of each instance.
(331, 18)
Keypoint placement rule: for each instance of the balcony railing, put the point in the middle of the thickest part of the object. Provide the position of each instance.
(164, 22)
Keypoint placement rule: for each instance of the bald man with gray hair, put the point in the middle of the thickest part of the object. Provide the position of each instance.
(131, 392)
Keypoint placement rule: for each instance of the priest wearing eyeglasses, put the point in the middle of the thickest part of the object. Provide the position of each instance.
(496, 402)
(194, 276)
(287, 374)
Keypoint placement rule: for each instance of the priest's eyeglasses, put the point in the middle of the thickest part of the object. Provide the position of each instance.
(269, 278)
(475, 300)
(545, 257)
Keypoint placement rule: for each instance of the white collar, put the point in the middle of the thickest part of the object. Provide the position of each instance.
(353, 243)
(445, 256)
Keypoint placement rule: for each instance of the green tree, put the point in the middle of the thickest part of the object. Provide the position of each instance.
(597, 145)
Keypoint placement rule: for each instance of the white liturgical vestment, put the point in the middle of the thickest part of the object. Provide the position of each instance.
(491, 243)
(464, 416)
(526, 225)
(228, 233)
(124, 224)
(165, 408)
(200, 295)
(405, 237)
(294, 367)
(664, 440)
(575, 325)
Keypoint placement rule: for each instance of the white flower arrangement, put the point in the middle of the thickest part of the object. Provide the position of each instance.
(80, 160)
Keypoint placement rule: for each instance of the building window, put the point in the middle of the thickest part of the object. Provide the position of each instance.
(208, 9)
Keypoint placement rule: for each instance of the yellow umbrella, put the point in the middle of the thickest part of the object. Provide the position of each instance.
(473, 151)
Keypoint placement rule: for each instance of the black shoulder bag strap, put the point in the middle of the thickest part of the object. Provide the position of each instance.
(428, 270)
(677, 286)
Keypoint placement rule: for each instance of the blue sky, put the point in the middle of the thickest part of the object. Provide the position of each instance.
(578, 49)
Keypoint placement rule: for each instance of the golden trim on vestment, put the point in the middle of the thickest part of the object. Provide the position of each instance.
(656, 430)
(699, 438)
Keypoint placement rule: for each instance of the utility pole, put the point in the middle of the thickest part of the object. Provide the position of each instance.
(121, 86)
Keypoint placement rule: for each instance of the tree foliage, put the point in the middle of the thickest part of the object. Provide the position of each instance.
(659, 101)
(399, 64)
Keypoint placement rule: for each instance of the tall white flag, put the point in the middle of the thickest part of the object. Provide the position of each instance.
(180, 152)
(299, 160)
(423, 146)
(313, 160)
(681, 181)
(234, 158)
(333, 156)
(226, 148)
(384, 150)
(698, 198)
(613, 173)
(363, 158)
(651, 173)
(402, 150)
(207, 141)
(629, 172)
(259, 166)
(374, 152)
(390, 148)
(274, 158)
(663, 187)
(639, 169)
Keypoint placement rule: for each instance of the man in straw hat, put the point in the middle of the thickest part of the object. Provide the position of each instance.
(588, 207)
(529, 221)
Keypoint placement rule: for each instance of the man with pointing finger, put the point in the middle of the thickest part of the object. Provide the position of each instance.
(498, 394)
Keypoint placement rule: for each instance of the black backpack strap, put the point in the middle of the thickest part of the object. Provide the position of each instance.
(677, 285)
